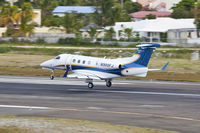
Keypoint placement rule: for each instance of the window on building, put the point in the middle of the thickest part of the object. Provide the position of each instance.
(149, 34)
(177, 35)
(189, 35)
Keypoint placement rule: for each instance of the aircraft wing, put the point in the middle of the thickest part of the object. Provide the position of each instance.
(83, 75)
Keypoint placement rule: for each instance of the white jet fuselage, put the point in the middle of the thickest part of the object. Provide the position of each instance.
(96, 68)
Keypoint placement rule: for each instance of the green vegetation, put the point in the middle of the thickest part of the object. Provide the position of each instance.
(55, 125)
(107, 12)
(150, 16)
(72, 22)
(12, 15)
(184, 9)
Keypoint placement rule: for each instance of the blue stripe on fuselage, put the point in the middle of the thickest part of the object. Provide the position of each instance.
(111, 71)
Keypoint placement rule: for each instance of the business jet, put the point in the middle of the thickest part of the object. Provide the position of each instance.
(93, 68)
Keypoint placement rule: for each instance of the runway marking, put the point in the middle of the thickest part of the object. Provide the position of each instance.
(141, 92)
(95, 108)
(22, 107)
(151, 106)
(102, 111)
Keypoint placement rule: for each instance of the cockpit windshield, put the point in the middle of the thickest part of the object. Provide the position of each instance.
(57, 57)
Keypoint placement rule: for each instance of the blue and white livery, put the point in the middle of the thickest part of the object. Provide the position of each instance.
(93, 68)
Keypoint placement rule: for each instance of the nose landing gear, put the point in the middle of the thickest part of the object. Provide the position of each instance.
(52, 75)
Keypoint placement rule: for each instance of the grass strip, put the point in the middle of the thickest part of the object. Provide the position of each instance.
(61, 125)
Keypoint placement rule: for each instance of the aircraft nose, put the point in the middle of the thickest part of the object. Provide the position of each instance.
(46, 64)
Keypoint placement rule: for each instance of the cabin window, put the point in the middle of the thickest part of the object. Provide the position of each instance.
(84, 62)
(89, 62)
(74, 60)
(79, 61)
(57, 57)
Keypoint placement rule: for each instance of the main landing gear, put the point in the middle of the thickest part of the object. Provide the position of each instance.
(108, 83)
(91, 85)
(52, 75)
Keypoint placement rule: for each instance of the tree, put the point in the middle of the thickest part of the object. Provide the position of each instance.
(109, 33)
(52, 21)
(118, 14)
(9, 16)
(182, 13)
(2, 2)
(128, 32)
(92, 32)
(183, 9)
(150, 16)
(185, 4)
(104, 12)
(27, 15)
(72, 22)
(131, 7)
(47, 6)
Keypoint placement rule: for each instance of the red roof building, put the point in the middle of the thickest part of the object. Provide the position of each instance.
(143, 14)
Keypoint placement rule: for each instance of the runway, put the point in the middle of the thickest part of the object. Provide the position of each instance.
(151, 104)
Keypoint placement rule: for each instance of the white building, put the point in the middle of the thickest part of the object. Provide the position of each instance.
(160, 5)
(37, 18)
(152, 30)
(11, 2)
(164, 5)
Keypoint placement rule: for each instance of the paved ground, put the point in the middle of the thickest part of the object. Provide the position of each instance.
(161, 105)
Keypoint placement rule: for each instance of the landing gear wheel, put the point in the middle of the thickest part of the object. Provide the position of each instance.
(51, 77)
(90, 85)
(108, 83)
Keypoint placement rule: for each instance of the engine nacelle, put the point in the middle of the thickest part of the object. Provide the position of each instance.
(110, 66)
(139, 72)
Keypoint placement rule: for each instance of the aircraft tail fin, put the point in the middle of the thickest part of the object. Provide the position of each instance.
(145, 51)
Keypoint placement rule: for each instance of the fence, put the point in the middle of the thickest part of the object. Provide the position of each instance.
(50, 38)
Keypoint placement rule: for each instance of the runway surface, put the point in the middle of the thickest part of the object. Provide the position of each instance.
(161, 105)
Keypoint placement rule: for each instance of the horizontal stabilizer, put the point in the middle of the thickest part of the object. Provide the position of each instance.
(162, 69)
(149, 45)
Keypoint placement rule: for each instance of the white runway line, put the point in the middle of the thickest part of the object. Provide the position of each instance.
(140, 92)
(153, 93)
(22, 107)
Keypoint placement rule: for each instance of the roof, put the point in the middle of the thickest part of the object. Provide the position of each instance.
(143, 14)
(87, 28)
(77, 9)
(156, 25)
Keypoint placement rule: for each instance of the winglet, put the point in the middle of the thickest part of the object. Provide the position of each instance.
(165, 66)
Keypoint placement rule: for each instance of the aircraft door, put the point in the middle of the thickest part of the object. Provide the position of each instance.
(68, 62)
